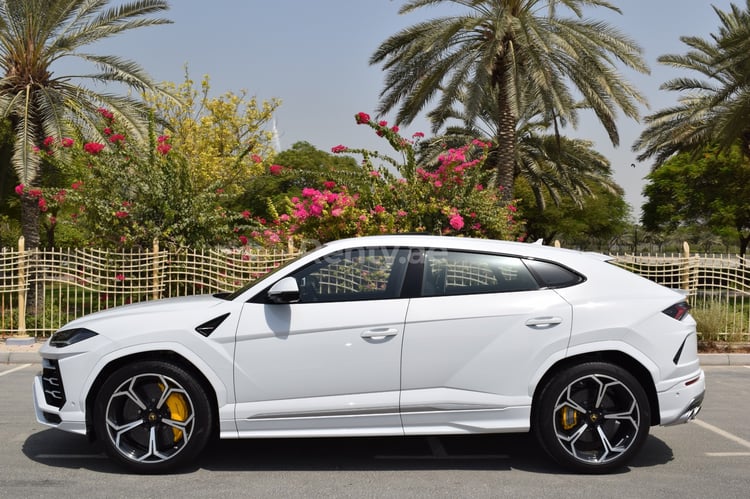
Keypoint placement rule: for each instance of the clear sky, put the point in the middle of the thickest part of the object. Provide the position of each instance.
(313, 55)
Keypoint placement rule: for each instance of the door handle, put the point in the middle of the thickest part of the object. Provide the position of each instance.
(379, 334)
(542, 322)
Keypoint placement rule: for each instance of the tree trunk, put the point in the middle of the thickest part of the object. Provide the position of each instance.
(503, 156)
(30, 231)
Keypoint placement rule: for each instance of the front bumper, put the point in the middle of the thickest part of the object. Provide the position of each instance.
(62, 418)
(682, 401)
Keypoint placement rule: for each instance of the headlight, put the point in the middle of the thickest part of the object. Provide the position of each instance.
(70, 336)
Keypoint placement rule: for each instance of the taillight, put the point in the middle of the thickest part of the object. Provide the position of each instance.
(678, 311)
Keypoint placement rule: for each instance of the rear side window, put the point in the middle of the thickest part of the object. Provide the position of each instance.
(462, 273)
(551, 275)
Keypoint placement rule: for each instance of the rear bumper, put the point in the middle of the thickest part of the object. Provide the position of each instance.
(682, 401)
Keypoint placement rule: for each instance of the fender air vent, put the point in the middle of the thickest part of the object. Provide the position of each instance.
(209, 327)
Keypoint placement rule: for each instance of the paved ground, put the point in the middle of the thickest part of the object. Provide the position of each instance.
(709, 457)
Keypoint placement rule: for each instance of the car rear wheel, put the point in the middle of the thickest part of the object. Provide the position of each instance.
(152, 416)
(592, 417)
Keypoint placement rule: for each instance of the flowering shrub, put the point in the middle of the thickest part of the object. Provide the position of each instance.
(126, 193)
(450, 197)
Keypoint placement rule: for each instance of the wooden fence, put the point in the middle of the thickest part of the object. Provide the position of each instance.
(41, 290)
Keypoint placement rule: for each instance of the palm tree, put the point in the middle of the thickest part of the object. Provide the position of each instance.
(548, 162)
(521, 49)
(36, 34)
(713, 110)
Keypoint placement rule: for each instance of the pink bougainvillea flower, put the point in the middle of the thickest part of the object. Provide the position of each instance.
(402, 213)
(67, 142)
(338, 149)
(48, 141)
(107, 131)
(383, 123)
(456, 221)
(275, 169)
(121, 214)
(375, 174)
(336, 212)
(246, 214)
(243, 240)
(417, 135)
(162, 138)
(329, 184)
(395, 128)
(19, 189)
(362, 118)
(120, 277)
(106, 113)
(163, 148)
(284, 217)
(37, 193)
(93, 147)
(42, 204)
(379, 208)
(256, 159)
(76, 185)
(117, 138)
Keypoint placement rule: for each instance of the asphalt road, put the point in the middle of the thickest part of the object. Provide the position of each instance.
(709, 457)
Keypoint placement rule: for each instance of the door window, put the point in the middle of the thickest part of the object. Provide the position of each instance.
(461, 273)
(359, 274)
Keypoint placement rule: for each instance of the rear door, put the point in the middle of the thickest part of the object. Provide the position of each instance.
(472, 342)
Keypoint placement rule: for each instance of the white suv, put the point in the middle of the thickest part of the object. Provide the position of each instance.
(386, 335)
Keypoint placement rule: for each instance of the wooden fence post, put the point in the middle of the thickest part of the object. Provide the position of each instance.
(155, 271)
(21, 286)
(686, 267)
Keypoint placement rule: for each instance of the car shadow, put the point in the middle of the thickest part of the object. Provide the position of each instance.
(472, 452)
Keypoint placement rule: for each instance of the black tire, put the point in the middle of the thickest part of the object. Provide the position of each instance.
(152, 416)
(592, 418)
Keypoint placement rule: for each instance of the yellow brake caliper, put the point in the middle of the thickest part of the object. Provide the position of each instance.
(568, 418)
(178, 409)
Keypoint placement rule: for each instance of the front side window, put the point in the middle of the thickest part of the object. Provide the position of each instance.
(357, 274)
(459, 273)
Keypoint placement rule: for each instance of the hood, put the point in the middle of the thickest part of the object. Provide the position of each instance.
(183, 305)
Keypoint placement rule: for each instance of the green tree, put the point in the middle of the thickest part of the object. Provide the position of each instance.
(710, 190)
(40, 103)
(595, 222)
(225, 138)
(526, 53)
(714, 107)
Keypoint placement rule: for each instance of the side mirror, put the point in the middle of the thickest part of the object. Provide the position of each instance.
(284, 291)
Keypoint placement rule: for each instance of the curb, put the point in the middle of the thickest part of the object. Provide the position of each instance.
(20, 358)
(725, 359)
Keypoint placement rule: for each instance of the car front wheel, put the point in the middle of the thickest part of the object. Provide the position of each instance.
(152, 416)
(593, 417)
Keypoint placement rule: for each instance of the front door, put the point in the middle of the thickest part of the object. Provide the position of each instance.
(328, 364)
